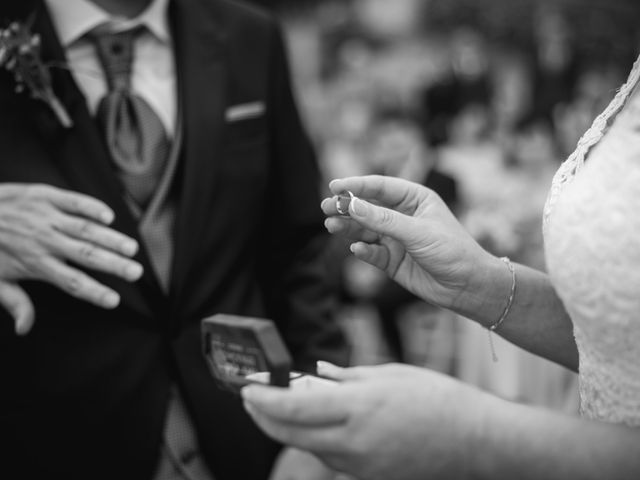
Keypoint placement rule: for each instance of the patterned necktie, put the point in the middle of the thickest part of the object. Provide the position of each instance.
(134, 133)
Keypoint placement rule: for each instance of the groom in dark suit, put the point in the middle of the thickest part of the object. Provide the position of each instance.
(181, 185)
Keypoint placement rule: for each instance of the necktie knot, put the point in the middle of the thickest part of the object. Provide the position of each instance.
(115, 51)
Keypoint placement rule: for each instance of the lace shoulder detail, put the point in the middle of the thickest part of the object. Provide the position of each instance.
(592, 136)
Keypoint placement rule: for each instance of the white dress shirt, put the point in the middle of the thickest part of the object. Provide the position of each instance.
(153, 76)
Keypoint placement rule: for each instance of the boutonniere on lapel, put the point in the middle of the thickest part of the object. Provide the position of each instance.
(20, 55)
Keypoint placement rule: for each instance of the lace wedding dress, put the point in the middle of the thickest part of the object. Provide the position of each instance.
(592, 246)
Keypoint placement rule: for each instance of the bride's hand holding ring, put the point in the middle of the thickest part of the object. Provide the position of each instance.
(407, 231)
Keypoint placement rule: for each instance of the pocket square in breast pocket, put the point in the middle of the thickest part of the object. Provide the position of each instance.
(244, 111)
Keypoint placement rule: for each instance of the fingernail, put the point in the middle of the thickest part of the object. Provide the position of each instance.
(107, 217)
(333, 226)
(352, 248)
(333, 182)
(22, 328)
(134, 272)
(111, 300)
(322, 366)
(131, 248)
(359, 207)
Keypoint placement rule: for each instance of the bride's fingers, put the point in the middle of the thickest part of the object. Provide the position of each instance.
(376, 255)
(329, 207)
(350, 229)
(336, 205)
(389, 191)
(386, 222)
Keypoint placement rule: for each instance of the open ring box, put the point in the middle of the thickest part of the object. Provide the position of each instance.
(241, 350)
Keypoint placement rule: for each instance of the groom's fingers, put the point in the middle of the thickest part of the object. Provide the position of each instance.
(16, 301)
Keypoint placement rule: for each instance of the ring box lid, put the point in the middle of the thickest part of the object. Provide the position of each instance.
(236, 347)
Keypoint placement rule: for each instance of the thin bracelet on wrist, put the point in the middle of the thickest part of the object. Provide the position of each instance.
(507, 309)
(512, 295)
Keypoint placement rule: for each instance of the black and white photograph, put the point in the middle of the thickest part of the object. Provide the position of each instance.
(319, 239)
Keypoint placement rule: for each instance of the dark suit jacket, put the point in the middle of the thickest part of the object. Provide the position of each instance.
(84, 395)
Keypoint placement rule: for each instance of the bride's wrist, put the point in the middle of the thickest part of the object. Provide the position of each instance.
(490, 292)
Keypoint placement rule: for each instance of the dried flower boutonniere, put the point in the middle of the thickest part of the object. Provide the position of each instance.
(20, 54)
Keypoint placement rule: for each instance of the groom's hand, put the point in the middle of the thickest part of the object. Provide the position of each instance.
(44, 232)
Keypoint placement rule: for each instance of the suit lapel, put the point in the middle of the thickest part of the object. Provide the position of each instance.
(82, 157)
(199, 35)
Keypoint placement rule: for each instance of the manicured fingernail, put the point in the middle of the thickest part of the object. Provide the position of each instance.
(322, 366)
(333, 225)
(333, 182)
(359, 207)
(111, 300)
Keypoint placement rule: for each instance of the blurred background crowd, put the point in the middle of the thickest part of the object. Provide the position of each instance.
(479, 100)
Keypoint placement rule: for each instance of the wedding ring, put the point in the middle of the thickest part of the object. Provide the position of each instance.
(342, 202)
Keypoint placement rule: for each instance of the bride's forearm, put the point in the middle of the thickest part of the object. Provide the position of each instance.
(518, 441)
(537, 320)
